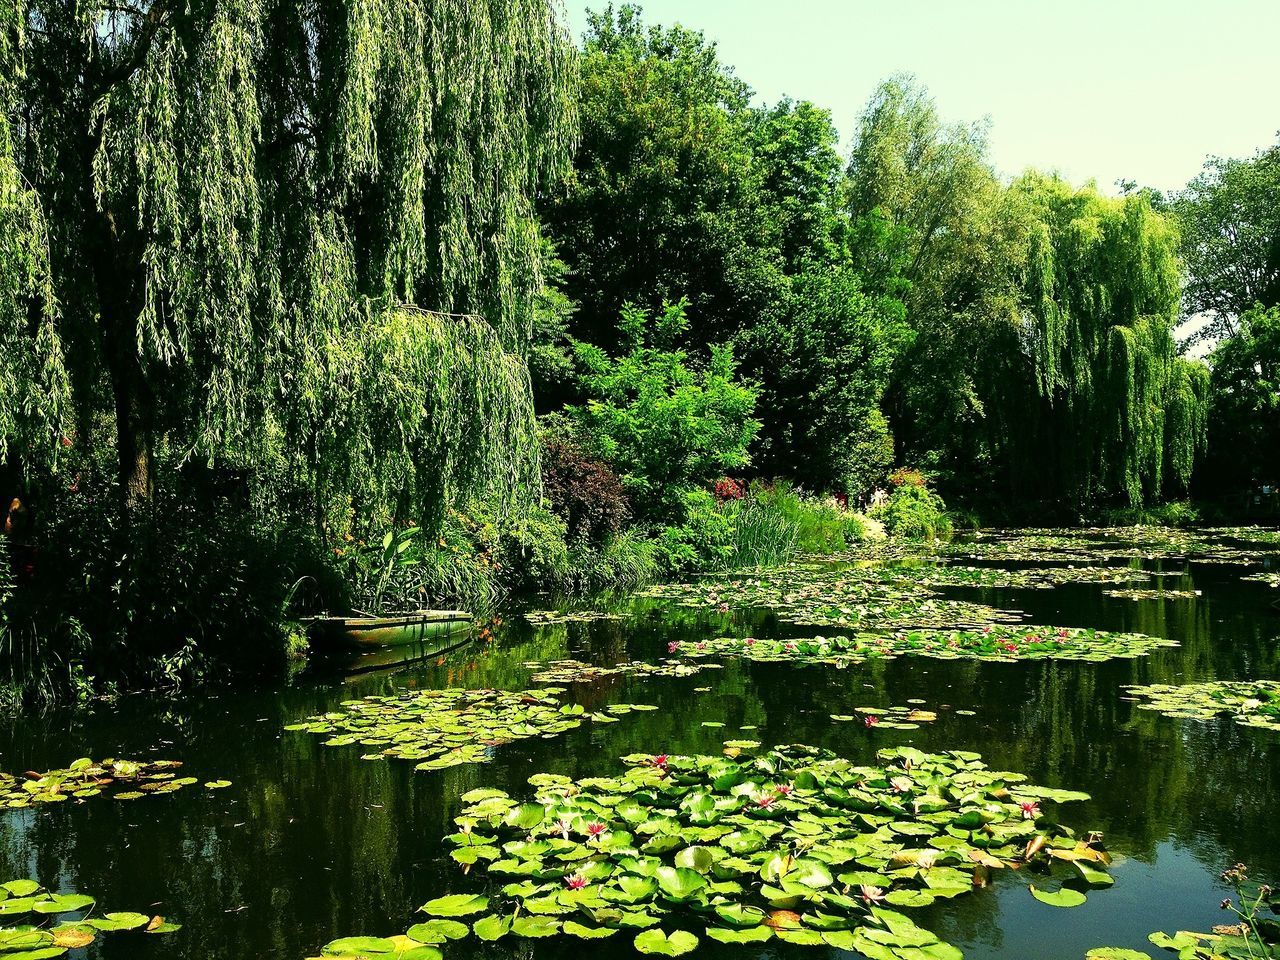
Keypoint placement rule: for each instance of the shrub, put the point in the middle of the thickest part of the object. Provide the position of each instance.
(668, 426)
(583, 490)
(628, 560)
(907, 477)
(914, 512)
(703, 540)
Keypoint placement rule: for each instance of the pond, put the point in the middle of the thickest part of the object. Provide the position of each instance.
(280, 843)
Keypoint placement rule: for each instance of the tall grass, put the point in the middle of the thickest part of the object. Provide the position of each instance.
(773, 523)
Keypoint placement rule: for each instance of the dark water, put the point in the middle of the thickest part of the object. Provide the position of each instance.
(311, 843)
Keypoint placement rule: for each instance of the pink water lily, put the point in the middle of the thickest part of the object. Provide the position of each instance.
(595, 828)
(750, 641)
(673, 646)
(785, 789)
(870, 894)
(1030, 810)
(870, 721)
(660, 760)
(702, 645)
(765, 801)
(575, 882)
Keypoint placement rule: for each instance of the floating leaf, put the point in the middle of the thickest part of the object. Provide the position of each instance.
(676, 944)
(1066, 897)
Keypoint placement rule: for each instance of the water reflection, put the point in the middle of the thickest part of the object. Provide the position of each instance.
(311, 843)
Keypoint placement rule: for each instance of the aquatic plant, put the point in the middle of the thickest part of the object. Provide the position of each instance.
(889, 718)
(84, 778)
(445, 728)
(1251, 703)
(997, 642)
(796, 845)
(575, 671)
(1270, 579)
(31, 939)
(1157, 594)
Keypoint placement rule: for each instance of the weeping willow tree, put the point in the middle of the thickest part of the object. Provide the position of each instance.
(1119, 415)
(33, 385)
(236, 199)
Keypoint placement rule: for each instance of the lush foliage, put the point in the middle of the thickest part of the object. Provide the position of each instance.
(1244, 419)
(1230, 220)
(583, 491)
(668, 427)
(913, 511)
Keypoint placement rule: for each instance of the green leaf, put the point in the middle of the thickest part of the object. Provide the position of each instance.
(586, 933)
(678, 943)
(354, 946)
(532, 926)
(456, 905)
(679, 883)
(493, 927)
(1066, 897)
(746, 935)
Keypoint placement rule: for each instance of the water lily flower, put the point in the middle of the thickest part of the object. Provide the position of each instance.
(702, 645)
(870, 894)
(901, 784)
(750, 641)
(871, 721)
(660, 760)
(575, 882)
(1064, 633)
(673, 646)
(595, 828)
(765, 801)
(723, 608)
(1030, 810)
(785, 789)
(564, 827)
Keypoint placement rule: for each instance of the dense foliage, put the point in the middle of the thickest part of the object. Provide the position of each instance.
(283, 286)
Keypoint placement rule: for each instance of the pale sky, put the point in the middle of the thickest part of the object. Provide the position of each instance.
(1096, 89)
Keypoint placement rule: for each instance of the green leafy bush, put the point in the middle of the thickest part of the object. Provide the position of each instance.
(702, 540)
(668, 427)
(914, 512)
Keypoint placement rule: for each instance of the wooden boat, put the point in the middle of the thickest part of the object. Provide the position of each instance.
(431, 631)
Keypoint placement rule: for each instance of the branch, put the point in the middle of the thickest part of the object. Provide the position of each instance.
(151, 24)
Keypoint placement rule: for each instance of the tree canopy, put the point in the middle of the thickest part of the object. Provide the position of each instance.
(237, 194)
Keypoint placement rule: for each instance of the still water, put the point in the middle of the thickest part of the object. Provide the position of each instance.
(311, 843)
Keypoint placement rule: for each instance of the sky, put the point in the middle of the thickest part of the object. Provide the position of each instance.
(1098, 90)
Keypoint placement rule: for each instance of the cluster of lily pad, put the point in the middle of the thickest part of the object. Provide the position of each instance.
(796, 845)
(86, 778)
(576, 671)
(544, 618)
(1252, 703)
(832, 595)
(1157, 594)
(1040, 578)
(50, 924)
(445, 728)
(1269, 578)
(888, 718)
(997, 642)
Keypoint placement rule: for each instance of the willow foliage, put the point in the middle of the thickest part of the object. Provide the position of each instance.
(1101, 298)
(33, 384)
(241, 193)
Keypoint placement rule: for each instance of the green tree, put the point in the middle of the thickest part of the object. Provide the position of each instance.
(660, 206)
(1244, 424)
(930, 223)
(1230, 220)
(665, 425)
(1101, 297)
(237, 194)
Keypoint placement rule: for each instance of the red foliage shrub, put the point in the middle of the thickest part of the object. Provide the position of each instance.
(729, 489)
(583, 491)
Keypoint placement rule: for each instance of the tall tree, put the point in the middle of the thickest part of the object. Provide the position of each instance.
(1230, 219)
(1120, 415)
(239, 192)
(1244, 425)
